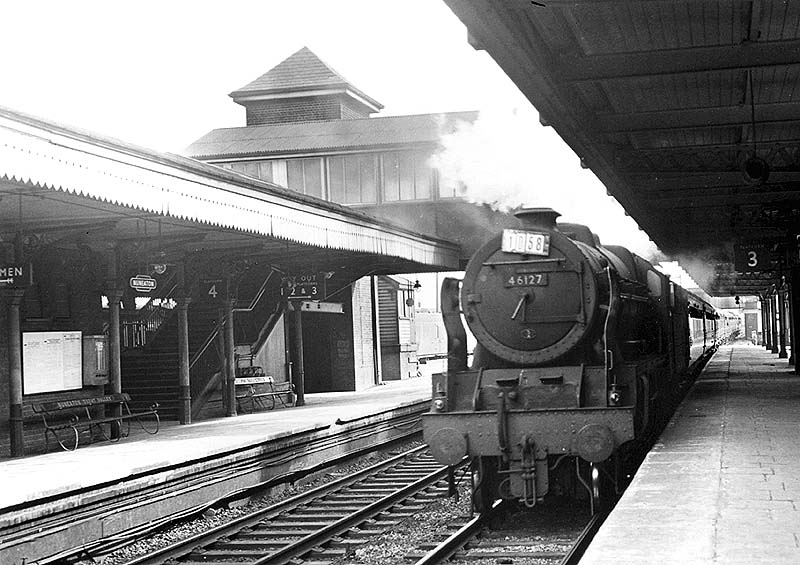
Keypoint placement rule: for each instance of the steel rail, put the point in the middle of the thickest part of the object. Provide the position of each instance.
(228, 529)
(459, 539)
(188, 484)
(578, 548)
(311, 541)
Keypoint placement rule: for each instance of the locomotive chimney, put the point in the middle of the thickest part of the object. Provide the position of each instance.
(537, 217)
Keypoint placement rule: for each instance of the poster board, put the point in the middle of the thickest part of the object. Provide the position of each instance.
(51, 361)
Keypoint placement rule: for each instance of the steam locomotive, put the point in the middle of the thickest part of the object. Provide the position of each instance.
(580, 348)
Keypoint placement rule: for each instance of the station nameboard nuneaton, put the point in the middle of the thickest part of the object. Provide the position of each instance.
(143, 283)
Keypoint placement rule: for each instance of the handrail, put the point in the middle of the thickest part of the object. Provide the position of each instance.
(166, 296)
(147, 319)
(209, 340)
(215, 332)
(257, 298)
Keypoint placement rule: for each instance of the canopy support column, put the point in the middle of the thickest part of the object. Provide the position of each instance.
(185, 390)
(14, 298)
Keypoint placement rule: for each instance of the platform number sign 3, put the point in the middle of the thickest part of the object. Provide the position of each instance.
(754, 257)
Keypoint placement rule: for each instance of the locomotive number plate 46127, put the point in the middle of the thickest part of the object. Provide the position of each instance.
(527, 279)
(526, 242)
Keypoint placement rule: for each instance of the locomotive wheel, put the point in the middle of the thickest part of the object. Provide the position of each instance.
(484, 483)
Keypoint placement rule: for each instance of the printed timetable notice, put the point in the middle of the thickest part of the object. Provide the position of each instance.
(51, 361)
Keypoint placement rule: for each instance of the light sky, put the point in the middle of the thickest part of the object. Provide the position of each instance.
(158, 74)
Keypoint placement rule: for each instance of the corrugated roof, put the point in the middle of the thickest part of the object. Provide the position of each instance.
(299, 72)
(328, 135)
(35, 153)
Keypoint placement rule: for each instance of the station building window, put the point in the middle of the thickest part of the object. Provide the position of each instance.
(305, 176)
(365, 178)
(450, 188)
(353, 179)
(407, 176)
(271, 171)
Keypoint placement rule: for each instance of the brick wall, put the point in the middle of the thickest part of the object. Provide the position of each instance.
(363, 339)
(306, 109)
(352, 110)
(309, 109)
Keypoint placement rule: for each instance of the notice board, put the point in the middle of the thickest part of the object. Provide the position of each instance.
(51, 361)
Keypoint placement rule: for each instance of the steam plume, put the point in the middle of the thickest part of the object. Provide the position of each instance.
(507, 159)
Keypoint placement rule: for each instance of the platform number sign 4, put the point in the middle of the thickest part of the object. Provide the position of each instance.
(214, 290)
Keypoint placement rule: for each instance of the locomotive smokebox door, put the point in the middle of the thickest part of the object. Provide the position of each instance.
(530, 294)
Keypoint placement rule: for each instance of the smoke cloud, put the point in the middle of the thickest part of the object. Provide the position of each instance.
(507, 159)
(702, 266)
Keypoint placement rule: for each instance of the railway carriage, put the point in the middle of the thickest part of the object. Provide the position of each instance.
(579, 347)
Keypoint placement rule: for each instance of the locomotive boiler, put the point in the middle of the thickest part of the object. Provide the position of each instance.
(577, 345)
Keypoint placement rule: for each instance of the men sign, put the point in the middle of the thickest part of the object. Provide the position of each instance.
(15, 274)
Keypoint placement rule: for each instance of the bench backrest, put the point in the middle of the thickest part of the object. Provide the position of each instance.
(57, 405)
(262, 380)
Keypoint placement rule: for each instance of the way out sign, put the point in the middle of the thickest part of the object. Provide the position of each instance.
(143, 283)
(304, 286)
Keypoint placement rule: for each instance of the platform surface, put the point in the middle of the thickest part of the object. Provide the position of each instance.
(36, 477)
(722, 484)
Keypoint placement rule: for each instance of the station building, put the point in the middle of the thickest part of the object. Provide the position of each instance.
(309, 129)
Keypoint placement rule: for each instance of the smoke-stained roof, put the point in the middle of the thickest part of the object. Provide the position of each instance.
(330, 135)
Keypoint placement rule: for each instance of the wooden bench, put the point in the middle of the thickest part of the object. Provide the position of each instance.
(255, 388)
(76, 416)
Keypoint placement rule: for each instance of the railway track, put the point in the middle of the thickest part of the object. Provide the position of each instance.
(476, 541)
(97, 519)
(320, 525)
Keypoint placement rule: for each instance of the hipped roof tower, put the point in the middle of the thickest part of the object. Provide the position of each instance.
(302, 88)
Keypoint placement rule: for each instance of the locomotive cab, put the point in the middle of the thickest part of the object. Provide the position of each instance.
(568, 347)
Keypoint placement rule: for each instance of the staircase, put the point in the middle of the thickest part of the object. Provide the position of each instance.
(150, 373)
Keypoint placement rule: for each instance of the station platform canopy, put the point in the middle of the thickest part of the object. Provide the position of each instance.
(687, 111)
(63, 186)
